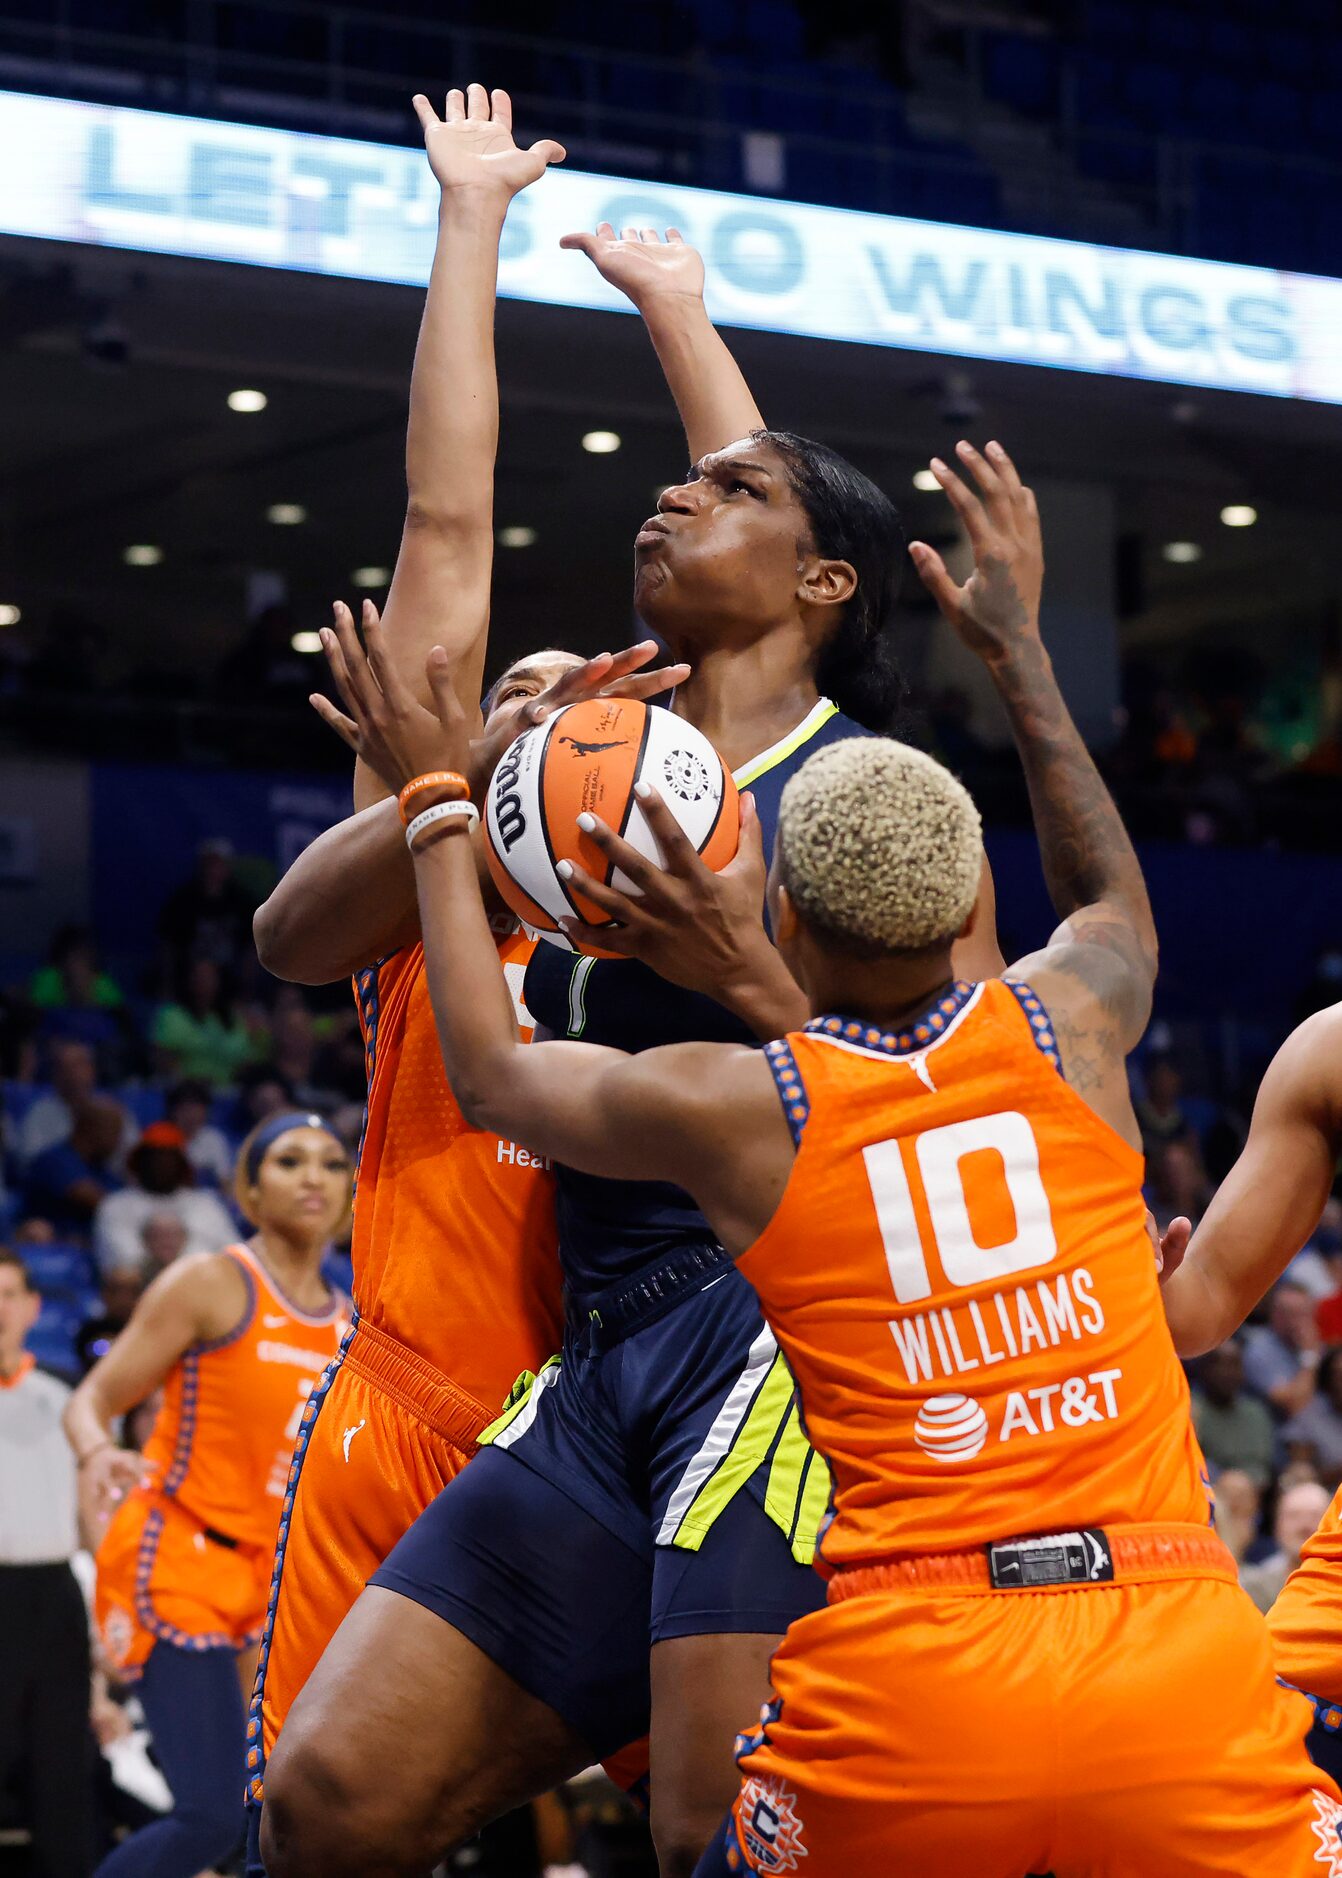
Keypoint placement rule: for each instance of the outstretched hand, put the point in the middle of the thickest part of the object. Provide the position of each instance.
(697, 928)
(471, 146)
(997, 608)
(608, 675)
(397, 737)
(640, 263)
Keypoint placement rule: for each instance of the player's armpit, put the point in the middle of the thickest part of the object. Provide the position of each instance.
(1095, 983)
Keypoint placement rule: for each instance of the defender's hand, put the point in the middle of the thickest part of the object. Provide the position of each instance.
(608, 675)
(640, 263)
(397, 737)
(697, 928)
(471, 146)
(997, 609)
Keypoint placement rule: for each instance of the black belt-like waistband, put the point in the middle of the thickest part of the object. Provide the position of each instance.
(611, 1316)
(224, 1539)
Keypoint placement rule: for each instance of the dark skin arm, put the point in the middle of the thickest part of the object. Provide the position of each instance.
(705, 1116)
(1096, 974)
(1270, 1202)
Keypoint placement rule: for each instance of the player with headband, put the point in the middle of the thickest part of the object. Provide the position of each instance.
(238, 1340)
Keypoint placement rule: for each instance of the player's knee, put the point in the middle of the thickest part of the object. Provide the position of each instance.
(325, 1818)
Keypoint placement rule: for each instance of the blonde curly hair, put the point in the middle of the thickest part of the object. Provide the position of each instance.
(879, 847)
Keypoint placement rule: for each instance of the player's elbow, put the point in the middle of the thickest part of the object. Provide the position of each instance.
(452, 517)
(281, 943)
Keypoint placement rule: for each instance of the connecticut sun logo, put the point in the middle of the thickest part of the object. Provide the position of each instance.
(1328, 1830)
(771, 1832)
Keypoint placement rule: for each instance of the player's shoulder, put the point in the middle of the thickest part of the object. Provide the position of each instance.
(1308, 1066)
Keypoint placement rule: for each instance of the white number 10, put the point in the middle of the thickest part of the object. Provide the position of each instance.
(940, 1152)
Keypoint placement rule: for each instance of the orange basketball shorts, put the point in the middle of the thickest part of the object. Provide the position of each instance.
(162, 1577)
(1306, 1621)
(386, 1431)
(1092, 1732)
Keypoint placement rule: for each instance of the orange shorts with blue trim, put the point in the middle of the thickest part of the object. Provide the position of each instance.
(164, 1577)
(384, 1434)
(1095, 1731)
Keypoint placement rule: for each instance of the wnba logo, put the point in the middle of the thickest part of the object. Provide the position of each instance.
(951, 1428)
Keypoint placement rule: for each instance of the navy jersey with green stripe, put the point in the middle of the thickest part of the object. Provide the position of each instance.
(611, 1230)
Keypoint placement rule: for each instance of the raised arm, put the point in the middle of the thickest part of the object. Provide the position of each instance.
(1097, 972)
(665, 281)
(196, 1300)
(1270, 1201)
(440, 590)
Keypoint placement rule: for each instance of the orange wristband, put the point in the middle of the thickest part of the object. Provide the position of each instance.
(454, 785)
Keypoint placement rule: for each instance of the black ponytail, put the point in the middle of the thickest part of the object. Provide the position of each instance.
(854, 521)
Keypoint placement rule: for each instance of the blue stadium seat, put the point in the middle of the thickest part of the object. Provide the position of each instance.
(1214, 104)
(1275, 113)
(1021, 72)
(1109, 22)
(144, 1102)
(18, 1097)
(52, 1342)
(1097, 103)
(1289, 55)
(1126, 157)
(1230, 45)
(775, 27)
(58, 1270)
(1176, 35)
(1154, 93)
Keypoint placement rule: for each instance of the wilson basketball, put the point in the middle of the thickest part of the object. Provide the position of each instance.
(587, 759)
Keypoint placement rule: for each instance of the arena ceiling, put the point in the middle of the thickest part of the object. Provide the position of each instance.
(114, 375)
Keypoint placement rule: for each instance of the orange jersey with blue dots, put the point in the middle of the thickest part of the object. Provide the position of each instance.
(222, 1442)
(454, 1243)
(960, 1277)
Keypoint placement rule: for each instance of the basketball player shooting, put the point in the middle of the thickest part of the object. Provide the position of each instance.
(935, 1188)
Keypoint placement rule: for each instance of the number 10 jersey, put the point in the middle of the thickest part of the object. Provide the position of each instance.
(960, 1276)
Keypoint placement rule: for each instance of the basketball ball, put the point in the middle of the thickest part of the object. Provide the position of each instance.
(587, 758)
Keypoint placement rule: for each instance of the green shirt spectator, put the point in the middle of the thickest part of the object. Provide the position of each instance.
(1235, 1429)
(201, 1035)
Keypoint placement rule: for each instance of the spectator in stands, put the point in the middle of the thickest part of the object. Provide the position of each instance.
(1281, 1357)
(165, 1239)
(1299, 1510)
(1238, 1507)
(295, 1050)
(207, 917)
(1235, 1428)
(1314, 1433)
(1327, 1243)
(262, 1092)
(201, 1035)
(164, 1183)
(75, 998)
(118, 1292)
(46, 1748)
(1176, 1183)
(207, 1147)
(67, 1183)
(1160, 1113)
(51, 1119)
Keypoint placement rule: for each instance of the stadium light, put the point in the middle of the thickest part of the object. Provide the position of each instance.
(517, 537)
(286, 514)
(247, 400)
(10, 615)
(1239, 515)
(306, 642)
(601, 442)
(1182, 552)
(142, 554)
(371, 576)
(924, 479)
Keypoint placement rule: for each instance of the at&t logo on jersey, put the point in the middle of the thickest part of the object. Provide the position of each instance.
(771, 1832)
(956, 1427)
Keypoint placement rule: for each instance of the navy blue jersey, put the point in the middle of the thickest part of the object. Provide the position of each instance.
(610, 1230)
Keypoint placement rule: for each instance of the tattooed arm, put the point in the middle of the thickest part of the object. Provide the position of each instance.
(1096, 974)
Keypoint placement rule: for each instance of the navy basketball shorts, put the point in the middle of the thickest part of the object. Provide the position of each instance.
(651, 1486)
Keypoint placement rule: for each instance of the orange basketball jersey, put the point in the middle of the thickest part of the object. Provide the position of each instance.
(223, 1439)
(454, 1242)
(960, 1277)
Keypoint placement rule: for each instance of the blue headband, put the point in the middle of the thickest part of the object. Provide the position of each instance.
(269, 1133)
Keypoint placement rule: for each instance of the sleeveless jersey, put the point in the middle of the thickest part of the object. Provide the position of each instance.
(610, 1230)
(454, 1231)
(960, 1277)
(222, 1442)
